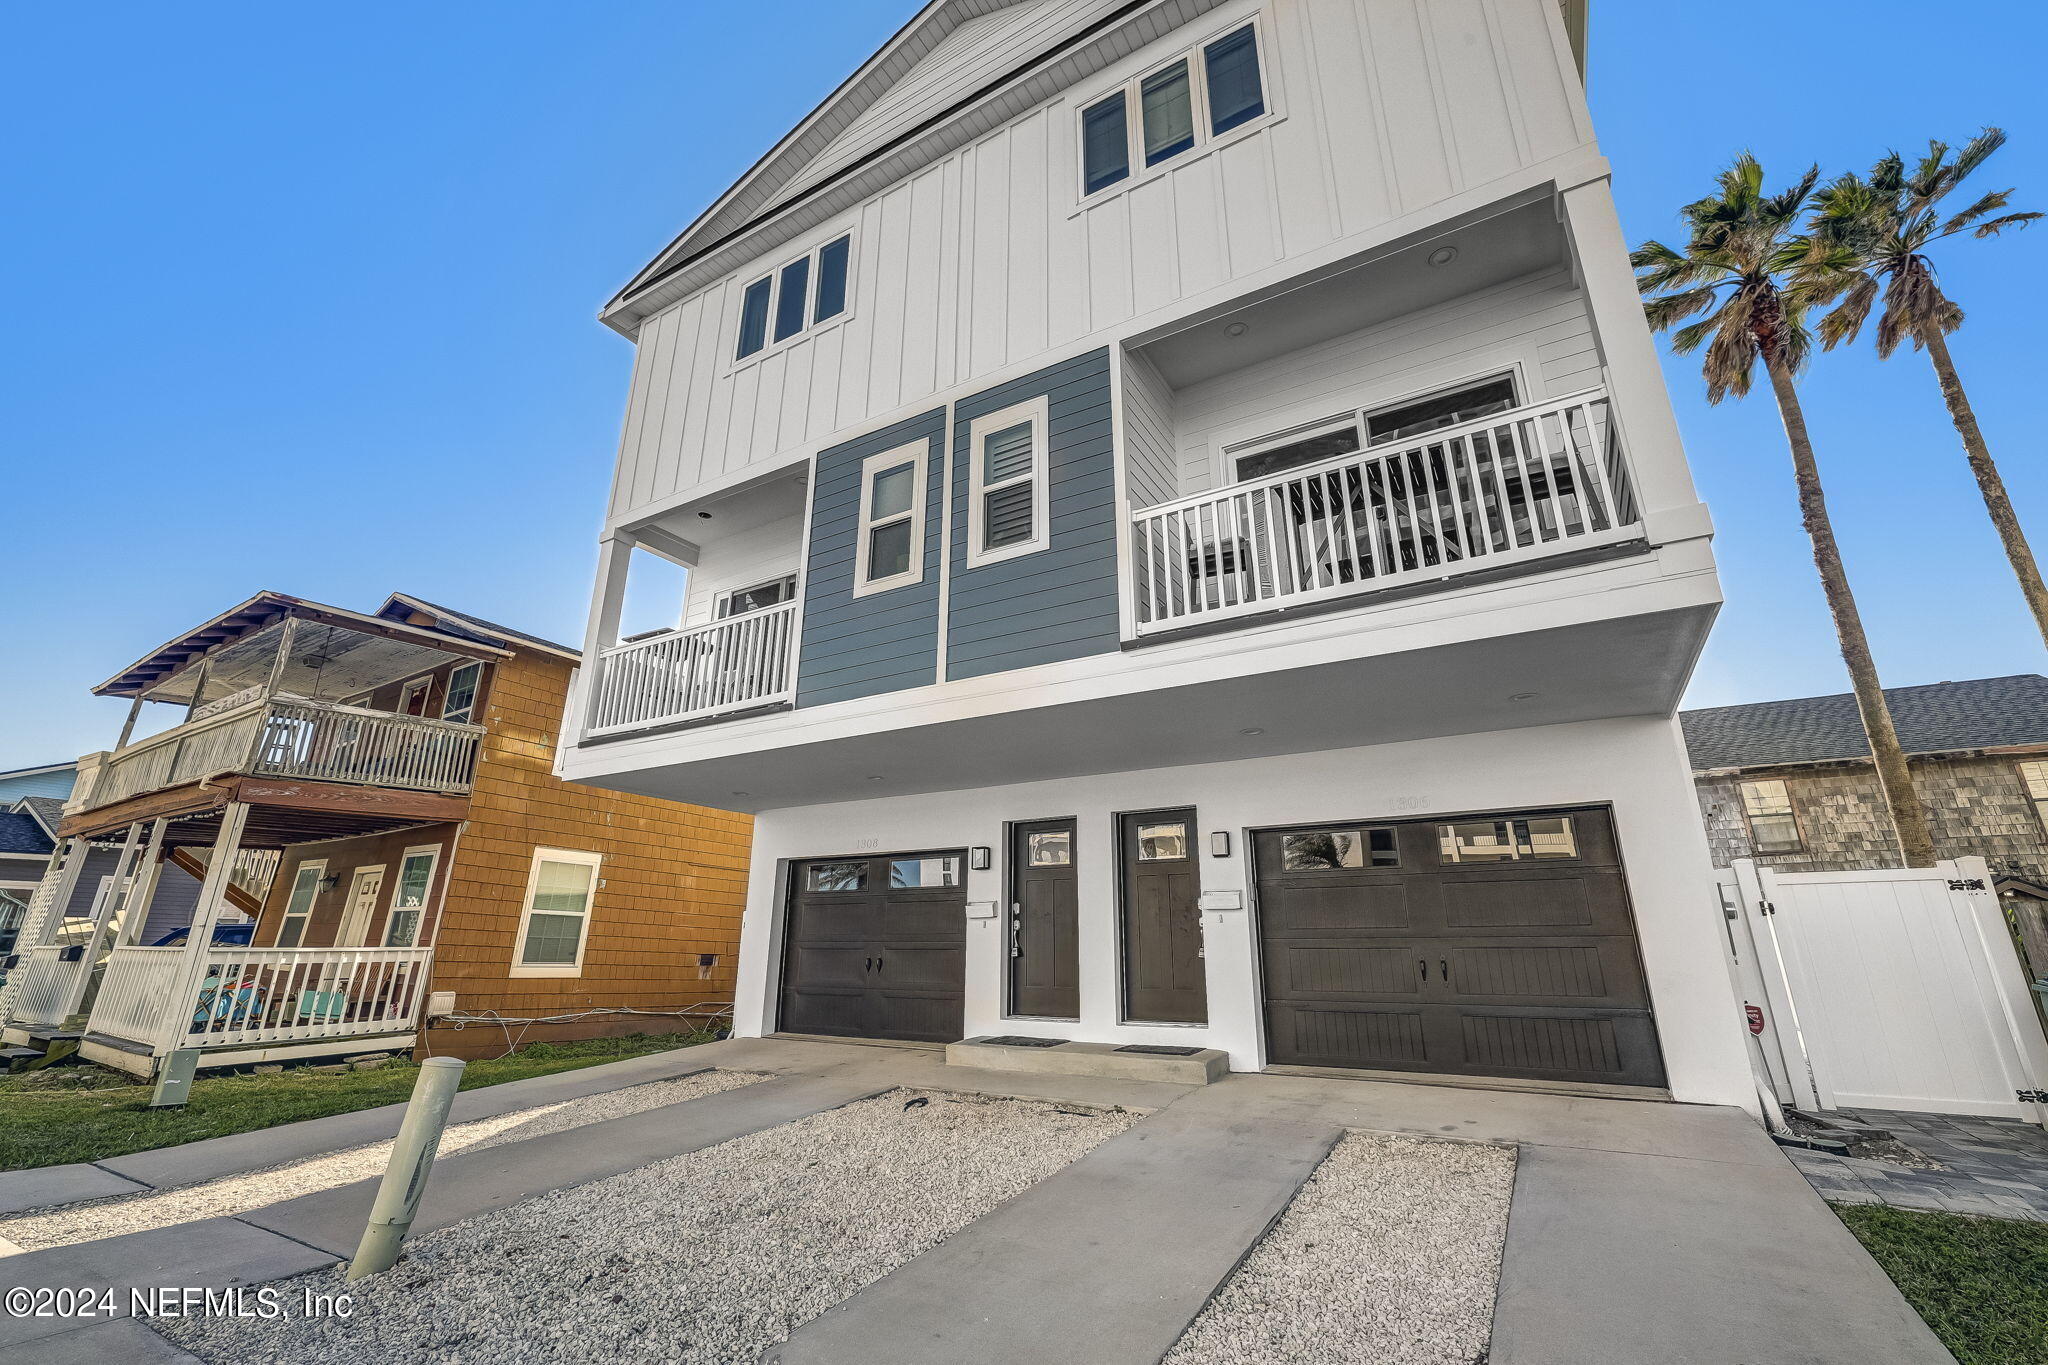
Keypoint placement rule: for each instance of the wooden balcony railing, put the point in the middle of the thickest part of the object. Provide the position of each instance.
(736, 664)
(1517, 486)
(260, 996)
(287, 736)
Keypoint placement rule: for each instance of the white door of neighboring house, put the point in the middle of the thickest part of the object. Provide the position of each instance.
(361, 907)
(1890, 989)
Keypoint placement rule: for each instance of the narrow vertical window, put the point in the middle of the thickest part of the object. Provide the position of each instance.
(556, 922)
(890, 542)
(409, 897)
(298, 907)
(2035, 775)
(832, 261)
(1169, 113)
(754, 317)
(1008, 477)
(460, 703)
(1105, 144)
(794, 292)
(1236, 94)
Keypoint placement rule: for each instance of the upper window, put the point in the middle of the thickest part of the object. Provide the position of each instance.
(1331, 437)
(460, 703)
(2035, 774)
(801, 294)
(1197, 96)
(760, 597)
(409, 897)
(555, 921)
(1007, 478)
(298, 907)
(1773, 828)
(1449, 408)
(890, 544)
(412, 698)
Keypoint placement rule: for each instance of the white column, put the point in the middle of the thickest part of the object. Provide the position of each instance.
(213, 893)
(607, 606)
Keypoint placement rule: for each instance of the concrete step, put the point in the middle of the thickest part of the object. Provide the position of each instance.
(1131, 1062)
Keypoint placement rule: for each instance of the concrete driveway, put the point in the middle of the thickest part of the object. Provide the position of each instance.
(1638, 1233)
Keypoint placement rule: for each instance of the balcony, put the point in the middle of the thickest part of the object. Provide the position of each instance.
(742, 663)
(1516, 486)
(285, 735)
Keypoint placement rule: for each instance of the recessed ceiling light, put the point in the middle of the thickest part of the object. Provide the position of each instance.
(706, 516)
(1252, 730)
(1443, 255)
(1524, 696)
(1236, 329)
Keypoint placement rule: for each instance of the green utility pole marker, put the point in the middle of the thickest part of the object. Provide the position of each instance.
(412, 1158)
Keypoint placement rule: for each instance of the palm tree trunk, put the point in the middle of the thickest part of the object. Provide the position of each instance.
(1909, 818)
(1988, 482)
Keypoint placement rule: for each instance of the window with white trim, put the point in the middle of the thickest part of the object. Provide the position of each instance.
(460, 703)
(298, 906)
(890, 546)
(1180, 105)
(795, 297)
(409, 896)
(1773, 826)
(554, 922)
(759, 597)
(1007, 483)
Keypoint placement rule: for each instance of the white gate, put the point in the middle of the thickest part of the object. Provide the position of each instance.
(1888, 989)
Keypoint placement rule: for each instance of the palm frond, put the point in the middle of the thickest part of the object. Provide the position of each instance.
(2011, 220)
(1990, 203)
(1846, 320)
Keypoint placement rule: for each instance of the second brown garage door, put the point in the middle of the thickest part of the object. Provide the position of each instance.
(876, 948)
(1496, 945)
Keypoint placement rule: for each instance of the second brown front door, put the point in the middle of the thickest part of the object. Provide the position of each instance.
(1164, 979)
(1045, 947)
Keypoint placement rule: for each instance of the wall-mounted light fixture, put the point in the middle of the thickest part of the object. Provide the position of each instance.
(1219, 843)
(980, 857)
(330, 881)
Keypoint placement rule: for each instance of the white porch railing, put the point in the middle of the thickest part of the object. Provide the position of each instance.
(44, 985)
(261, 996)
(1520, 485)
(286, 736)
(730, 665)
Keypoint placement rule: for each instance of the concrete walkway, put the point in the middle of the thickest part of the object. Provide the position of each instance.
(1639, 1233)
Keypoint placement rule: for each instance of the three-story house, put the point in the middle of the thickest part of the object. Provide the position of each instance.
(1187, 545)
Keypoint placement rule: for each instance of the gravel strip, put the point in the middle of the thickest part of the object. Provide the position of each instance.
(703, 1259)
(1389, 1255)
(234, 1194)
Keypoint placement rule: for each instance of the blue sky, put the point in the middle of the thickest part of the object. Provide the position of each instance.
(303, 297)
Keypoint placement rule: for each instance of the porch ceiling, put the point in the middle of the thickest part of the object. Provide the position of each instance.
(282, 812)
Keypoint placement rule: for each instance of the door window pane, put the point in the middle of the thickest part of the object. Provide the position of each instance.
(1052, 848)
(1332, 849)
(789, 304)
(1162, 843)
(1295, 454)
(754, 317)
(889, 550)
(892, 491)
(832, 280)
(756, 598)
(1105, 144)
(1168, 115)
(908, 872)
(1477, 841)
(1235, 93)
(837, 876)
(1550, 837)
(1441, 410)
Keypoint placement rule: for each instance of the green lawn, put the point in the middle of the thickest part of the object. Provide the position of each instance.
(1981, 1283)
(46, 1125)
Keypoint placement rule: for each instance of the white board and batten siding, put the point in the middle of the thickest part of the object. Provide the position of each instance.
(985, 262)
(1888, 989)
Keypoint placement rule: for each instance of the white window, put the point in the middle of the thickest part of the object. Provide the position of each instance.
(412, 697)
(298, 907)
(890, 547)
(1007, 481)
(795, 297)
(1173, 109)
(460, 703)
(555, 921)
(760, 597)
(1773, 827)
(409, 897)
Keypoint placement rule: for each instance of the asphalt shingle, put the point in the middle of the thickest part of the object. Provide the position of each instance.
(1938, 718)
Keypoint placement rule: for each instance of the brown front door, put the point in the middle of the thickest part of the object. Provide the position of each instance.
(1494, 945)
(876, 948)
(1163, 973)
(1045, 945)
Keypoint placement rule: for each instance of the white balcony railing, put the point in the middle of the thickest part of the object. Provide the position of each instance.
(42, 984)
(1521, 485)
(736, 664)
(260, 996)
(287, 736)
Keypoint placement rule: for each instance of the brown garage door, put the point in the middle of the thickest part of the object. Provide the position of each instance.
(1482, 945)
(876, 947)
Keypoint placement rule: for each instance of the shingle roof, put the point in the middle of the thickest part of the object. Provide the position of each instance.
(1981, 714)
(48, 810)
(488, 628)
(19, 833)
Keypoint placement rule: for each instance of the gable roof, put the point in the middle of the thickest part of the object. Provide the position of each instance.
(22, 833)
(1986, 713)
(46, 811)
(401, 605)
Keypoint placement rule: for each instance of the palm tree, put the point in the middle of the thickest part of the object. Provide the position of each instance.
(1889, 219)
(1749, 278)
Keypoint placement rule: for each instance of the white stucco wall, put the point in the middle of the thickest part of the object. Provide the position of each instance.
(1636, 765)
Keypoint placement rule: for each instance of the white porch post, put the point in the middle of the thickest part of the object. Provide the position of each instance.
(607, 606)
(103, 913)
(213, 893)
